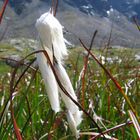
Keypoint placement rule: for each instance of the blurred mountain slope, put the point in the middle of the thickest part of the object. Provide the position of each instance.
(78, 22)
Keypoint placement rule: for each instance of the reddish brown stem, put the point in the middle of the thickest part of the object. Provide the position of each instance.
(3, 9)
(111, 77)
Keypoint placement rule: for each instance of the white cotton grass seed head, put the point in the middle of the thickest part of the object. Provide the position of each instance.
(52, 40)
(72, 124)
(50, 82)
(51, 34)
(71, 106)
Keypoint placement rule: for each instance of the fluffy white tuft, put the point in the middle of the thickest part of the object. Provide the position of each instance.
(52, 40)
(51, 34)
(72, 124)
(62, 75)
(50, 82)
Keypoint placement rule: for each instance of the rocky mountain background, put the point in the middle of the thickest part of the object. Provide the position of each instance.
(79, 17)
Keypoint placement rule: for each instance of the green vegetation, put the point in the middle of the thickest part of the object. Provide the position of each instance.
(96, 93)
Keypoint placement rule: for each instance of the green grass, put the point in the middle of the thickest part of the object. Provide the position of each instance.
(3, 68)
(32, 109)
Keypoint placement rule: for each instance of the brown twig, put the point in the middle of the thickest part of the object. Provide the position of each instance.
(112, 129)
(17, 132)
(112, 78)
(3, 10)
(21, 62)
(12, 89)
(86, 59)
(54, 7)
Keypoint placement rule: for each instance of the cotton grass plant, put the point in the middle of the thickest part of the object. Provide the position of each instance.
(52, 41)
(28, 115)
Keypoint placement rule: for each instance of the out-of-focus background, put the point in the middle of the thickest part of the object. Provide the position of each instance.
(80, 18)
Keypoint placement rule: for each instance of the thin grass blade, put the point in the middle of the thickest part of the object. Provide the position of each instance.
(135, 122)
(112, 78)
(112, 129)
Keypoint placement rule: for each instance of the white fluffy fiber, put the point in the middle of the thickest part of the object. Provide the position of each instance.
(50, 82)
(72, 124)
(52, 40)
(51, 34)
(62, 75)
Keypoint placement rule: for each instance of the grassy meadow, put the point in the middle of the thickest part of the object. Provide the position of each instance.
(96, 93)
